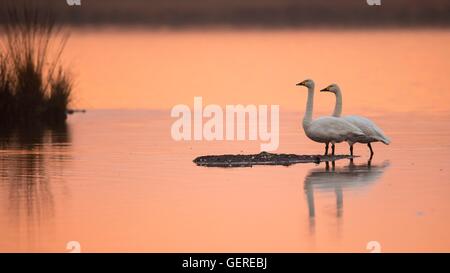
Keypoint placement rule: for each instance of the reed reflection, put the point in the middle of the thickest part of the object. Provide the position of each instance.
(32, 158)
(338, 180)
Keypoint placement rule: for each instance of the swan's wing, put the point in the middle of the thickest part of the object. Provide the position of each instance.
(334, 128)
(368, 127)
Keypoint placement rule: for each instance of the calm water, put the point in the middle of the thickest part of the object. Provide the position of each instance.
(114, 180)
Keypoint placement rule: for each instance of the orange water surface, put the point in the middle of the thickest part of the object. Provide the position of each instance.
(114, 180)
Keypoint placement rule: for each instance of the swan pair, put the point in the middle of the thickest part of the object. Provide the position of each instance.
(335, 129)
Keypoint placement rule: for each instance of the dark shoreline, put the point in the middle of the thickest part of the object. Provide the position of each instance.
(252, 14)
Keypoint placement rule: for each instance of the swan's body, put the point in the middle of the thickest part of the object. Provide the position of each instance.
(372, 133)
(330, 130)
(326, 129)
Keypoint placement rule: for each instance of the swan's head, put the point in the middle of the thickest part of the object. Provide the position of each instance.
(307, 83)
(333, 88)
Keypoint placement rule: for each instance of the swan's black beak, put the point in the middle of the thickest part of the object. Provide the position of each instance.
(300, 84)
(325, 90)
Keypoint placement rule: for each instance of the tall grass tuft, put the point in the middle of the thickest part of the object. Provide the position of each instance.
(34, 86)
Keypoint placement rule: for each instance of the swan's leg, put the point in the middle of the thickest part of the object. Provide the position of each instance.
(371, 150)
(351, 149)
(351, 164)
(326, 148)
(332, 148)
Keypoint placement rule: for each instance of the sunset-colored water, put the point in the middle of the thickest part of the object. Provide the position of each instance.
(115, 180)
(377, 70)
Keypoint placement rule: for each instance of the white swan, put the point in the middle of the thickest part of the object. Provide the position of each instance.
(372, 133)
(326, 129)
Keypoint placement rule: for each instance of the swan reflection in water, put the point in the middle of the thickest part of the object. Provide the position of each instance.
(337, 180)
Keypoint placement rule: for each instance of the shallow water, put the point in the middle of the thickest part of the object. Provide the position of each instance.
(114, 180)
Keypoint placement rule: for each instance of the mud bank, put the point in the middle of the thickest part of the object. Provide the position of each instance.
(263, 158)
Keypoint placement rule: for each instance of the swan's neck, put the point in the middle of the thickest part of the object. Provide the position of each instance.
(307, 119)
(338, 107)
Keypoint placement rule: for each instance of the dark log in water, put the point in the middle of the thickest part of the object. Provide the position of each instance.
(263, 158)
(73, 111)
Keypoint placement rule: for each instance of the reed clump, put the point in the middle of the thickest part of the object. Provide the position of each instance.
(34, 85)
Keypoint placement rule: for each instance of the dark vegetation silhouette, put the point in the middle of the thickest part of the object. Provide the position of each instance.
(34, 86)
